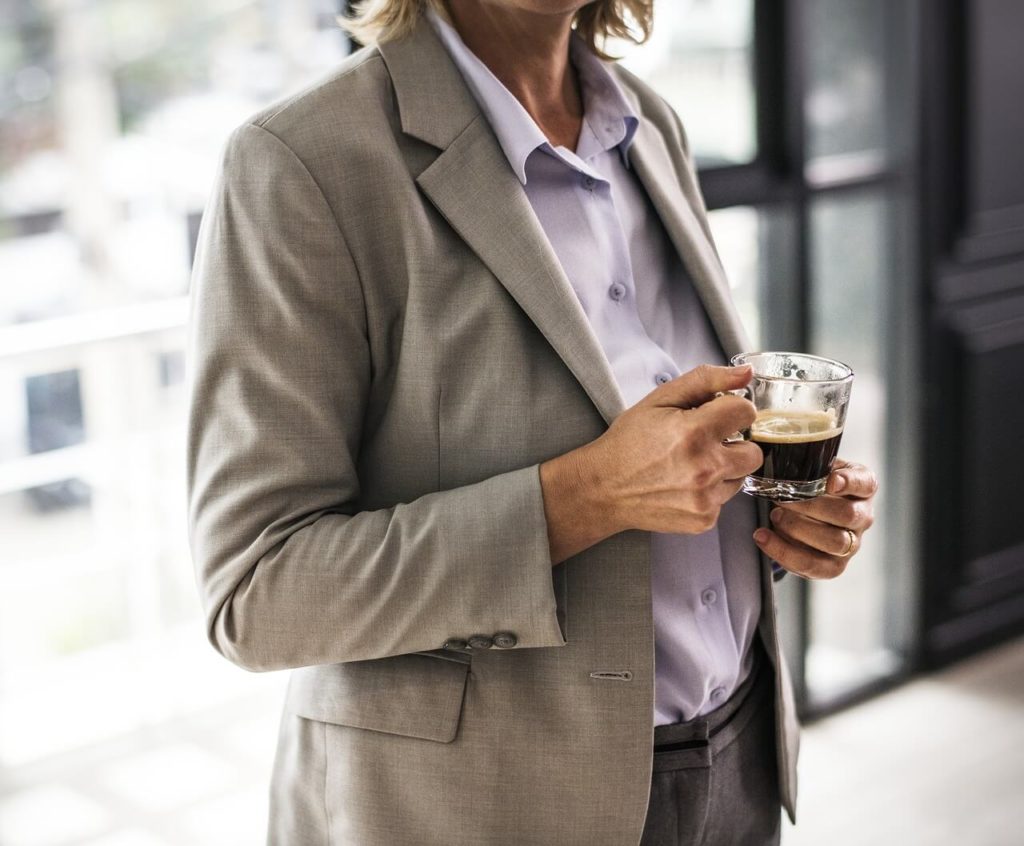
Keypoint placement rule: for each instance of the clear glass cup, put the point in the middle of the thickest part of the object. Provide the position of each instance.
(801, 403)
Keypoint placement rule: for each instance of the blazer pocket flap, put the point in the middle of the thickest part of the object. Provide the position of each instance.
(414, 695)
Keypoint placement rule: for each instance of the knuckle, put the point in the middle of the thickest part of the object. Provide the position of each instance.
(848, 513)
(862, 518)
(753, 455)
(754, 462)
(702, 477)
(836, 567)
(749, 410)
(810, 569)
(702, 512)
(691, 441)
(707, 520)
(802, 569)
(701, 502)
(704, 374)
(825, 568)
(740, 408)
(731, 402)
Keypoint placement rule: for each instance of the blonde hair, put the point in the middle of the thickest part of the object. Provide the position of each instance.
(378, 21)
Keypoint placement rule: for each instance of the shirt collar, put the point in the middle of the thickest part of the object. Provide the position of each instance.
(608, 119)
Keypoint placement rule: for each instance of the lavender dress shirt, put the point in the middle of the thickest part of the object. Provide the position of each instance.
(652, 327)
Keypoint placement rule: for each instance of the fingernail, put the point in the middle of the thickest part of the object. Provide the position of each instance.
(838, 483)
(761, 536)
(775, 516)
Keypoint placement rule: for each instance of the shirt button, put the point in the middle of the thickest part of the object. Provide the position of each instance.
(717, 694)
(662, 378)
(617, 291)
(589, 182)
(708, 597)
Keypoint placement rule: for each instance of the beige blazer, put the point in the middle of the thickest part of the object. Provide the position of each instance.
(383, 348)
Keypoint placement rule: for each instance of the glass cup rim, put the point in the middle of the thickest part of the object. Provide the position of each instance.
(848, 377)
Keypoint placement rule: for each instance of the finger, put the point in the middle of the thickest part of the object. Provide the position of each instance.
(823, 537)
(852, 480)
(741, 459)
(728, 488)
(725, 415)
(697, 386)
(840, 511)
(797, 558)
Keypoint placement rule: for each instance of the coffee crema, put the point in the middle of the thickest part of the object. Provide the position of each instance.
(798, 446)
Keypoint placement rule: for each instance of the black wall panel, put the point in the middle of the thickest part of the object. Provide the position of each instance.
(972, 205)
(994, 124)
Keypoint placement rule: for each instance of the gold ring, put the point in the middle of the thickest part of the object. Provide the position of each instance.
(851, 539)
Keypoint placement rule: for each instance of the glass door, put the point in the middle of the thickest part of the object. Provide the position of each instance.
(800, 115)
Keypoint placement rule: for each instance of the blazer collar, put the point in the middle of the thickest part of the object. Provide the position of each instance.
(434, 104)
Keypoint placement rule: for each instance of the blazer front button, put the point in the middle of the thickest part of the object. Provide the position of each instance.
(505, 640)
(455, 643)
(481, 642)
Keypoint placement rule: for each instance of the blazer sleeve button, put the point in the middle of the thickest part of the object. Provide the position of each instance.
(455, 643)
(481, 642)
(505, 640)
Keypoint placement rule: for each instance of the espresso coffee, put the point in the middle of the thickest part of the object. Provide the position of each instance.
(798, 446)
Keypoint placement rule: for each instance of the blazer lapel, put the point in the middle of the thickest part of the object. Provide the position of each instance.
(650, 158)
(473, 186)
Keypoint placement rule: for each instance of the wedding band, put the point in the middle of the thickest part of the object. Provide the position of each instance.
(851, 539)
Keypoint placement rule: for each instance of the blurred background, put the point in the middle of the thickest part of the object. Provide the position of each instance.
(863, 163)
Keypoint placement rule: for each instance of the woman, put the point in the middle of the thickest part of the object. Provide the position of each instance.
(455, 454)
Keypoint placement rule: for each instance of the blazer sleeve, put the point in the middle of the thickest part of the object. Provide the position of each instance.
(290, 573)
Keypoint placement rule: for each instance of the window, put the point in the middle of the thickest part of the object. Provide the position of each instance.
(701, 58)
(802, 134)
(112, 118)
(852, 272)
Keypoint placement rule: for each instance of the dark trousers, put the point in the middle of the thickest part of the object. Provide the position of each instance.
(715, 781)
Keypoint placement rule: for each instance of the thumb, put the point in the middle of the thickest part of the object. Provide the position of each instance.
(698, 386)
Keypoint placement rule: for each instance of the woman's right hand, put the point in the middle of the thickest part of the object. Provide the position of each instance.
(661, 466)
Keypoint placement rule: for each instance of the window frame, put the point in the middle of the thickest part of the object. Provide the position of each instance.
(780, 176)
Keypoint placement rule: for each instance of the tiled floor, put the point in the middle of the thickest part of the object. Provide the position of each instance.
(938, 762)
(200, 781)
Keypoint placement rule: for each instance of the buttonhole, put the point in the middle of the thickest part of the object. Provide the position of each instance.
(613, 675)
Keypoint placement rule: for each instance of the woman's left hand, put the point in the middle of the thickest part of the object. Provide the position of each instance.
(817, 538)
